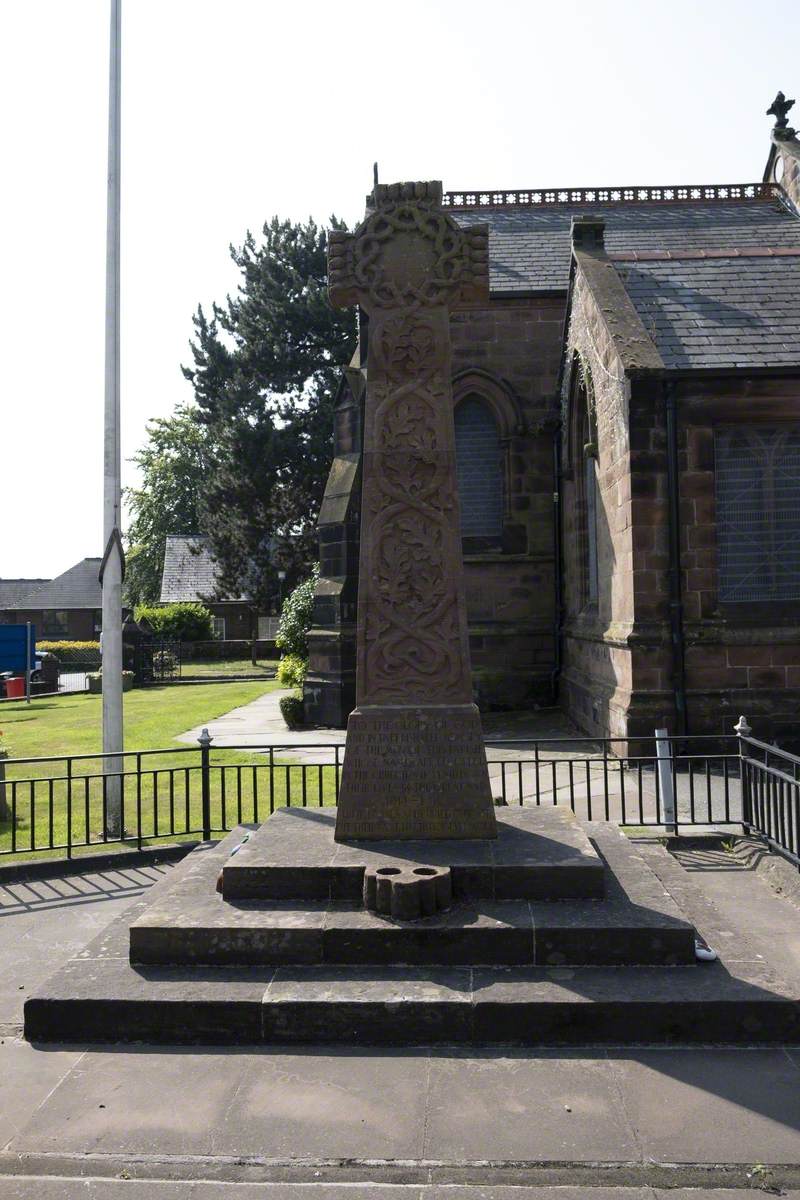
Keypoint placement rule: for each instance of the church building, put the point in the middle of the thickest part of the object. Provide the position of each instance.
(627, 418)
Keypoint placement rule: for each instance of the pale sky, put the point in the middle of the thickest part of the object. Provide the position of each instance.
(234, 110)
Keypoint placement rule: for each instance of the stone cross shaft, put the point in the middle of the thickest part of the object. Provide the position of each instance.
(415, 766)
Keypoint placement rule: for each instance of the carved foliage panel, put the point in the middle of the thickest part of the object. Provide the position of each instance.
(414, 647)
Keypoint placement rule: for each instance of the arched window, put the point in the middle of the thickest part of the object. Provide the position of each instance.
(584, 457)
(479, 464)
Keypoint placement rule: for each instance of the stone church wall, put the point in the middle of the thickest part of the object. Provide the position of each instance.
(508, 355)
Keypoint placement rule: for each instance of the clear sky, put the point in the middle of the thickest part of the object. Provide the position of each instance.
(234, 110)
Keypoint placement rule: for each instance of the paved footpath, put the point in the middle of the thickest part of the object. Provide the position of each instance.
(514, 775)
(353, 1122)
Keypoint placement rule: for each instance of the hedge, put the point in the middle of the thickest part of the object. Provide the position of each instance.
(183, 622)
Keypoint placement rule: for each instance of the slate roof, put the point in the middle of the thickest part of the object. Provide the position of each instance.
(529, 248)
(79, 587)
(12, 590)
(719, 312)
(189, 570)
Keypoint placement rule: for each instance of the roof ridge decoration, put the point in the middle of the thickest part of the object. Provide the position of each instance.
(550, 197)
(778, 109)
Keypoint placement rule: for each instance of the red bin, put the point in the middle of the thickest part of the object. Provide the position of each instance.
(16, 687)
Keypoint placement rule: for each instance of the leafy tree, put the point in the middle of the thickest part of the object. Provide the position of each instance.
(266, 367)
(173, 462)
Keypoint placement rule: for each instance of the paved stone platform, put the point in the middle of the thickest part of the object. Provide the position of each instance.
(101, 996)
(324, 1122)
(538, 854)
(635, 923)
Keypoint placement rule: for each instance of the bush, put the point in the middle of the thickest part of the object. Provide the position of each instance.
(292, 711)
(95, 681)
(291, 671)
(184, 622)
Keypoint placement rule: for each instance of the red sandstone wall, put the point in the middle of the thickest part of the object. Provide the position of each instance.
(510, 594)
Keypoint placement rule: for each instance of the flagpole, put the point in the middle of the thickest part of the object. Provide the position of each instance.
(112, 564)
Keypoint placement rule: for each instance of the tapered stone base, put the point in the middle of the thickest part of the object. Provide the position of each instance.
(415, 772)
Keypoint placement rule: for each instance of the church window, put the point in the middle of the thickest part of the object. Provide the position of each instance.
(584, 452)
(757, 481)
(590, 487)
(480, 470)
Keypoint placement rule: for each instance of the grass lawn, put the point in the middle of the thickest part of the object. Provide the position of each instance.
(236, 666)
(165, 798)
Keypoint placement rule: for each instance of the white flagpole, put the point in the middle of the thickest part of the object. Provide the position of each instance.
(111, 571)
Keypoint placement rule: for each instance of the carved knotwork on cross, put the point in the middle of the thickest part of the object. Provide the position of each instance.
(778, 109)
(408, 253)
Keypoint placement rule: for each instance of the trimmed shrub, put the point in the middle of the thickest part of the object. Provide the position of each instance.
(182, 622)
(297, 614)
(292, 711)
(291, 671)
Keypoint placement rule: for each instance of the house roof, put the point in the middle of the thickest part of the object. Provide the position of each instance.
(529, 248)
(189, 571)
(11, 590)
(79, 587)
(736, 311)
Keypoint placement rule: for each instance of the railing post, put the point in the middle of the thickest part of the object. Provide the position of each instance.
(665, 764)
(69, 808)
(205, 779)
(742, 731)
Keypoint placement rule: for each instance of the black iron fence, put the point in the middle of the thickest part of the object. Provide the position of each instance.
(68, 804)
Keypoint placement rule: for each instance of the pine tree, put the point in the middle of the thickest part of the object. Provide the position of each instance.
(266, 366)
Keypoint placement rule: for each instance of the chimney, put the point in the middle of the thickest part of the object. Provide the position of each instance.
(587, 233)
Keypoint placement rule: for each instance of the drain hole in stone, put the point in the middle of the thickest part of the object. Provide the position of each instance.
(424, 871)
(388, 871)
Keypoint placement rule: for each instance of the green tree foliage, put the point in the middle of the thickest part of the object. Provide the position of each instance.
(296, 618)
(173, 462)
(266, 367)
(184, 622)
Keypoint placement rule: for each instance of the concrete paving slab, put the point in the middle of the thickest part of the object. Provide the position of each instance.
(44, 922)
(712, 1104)
(552, 1106)
(27, 1077)
(37, 1188)
(515, 1192)
(319, 1104)
(137, 1102)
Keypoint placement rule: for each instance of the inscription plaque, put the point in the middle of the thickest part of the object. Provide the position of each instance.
(415, 765)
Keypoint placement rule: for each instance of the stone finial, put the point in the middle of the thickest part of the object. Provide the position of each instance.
(778, 109)
(742, 728)
(588, 233)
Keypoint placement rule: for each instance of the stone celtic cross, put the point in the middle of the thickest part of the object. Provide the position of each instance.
(415, 765)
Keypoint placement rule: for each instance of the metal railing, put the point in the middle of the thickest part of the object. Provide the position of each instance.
(61, 804)
(771, 789)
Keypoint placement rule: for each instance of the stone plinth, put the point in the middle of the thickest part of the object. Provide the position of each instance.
(415, 766)
(538, 854)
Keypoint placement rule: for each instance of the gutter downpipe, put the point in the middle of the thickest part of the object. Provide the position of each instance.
(675, 593)
(558, 614)
(555, 674)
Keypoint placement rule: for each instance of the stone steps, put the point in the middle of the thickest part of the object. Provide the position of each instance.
(479, 934)
(111, 1001)
(549, 1000)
